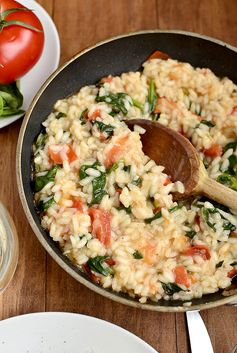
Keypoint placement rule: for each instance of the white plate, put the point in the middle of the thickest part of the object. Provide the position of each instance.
(66, 333)
(48, 62)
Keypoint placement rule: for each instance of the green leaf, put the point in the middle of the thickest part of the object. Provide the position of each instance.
(83, 116)
(107, 129)
(229, 145)
(44, 205)
(155, 116)
(113, 168)
(98, 185)
(84, 167)
(152, 97)
(228, 180)
(40, 141)
(190, 234)
(219, 264)
(207, 123)
(206, 214)
(171, 288)
(43, 180)
(232, 165)
(137, 255)
(137, 181)
(60, 115)
(156, 216)
(229, 226)
(11, 99)
(7, 23)
(137, 104)
(97, 264)
(117, 101)
(128, 210)
(175, 208)
(127, 168)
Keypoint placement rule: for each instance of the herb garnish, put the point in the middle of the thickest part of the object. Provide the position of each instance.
(97, 264)
(41, 181)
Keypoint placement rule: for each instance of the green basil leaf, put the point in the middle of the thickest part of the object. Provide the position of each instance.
(127, 168)
(175, 208)
(117, 101)
(190, 234)
(128, 210)
(83, 117)
(219, 264)
(60, 115)
(232, 165)
(98, 185)
(228, 180)
(84, 167)
(206, 213)
(229, 226)
(229, 145)
(97, 264)
(207, 123)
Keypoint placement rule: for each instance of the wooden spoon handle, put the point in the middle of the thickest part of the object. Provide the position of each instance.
(218, 192)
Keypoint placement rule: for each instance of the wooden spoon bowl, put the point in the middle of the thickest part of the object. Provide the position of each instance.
(181, 161)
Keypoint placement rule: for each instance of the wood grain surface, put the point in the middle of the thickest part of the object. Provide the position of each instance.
(39, 283)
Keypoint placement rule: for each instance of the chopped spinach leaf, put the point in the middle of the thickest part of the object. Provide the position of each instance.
(155, 116)
(137, 104)
(84, 167)
(97, 264)
(232, 165)
(117, 101)
(60, 115)
(190, 234)
(113, 168)
(152, 97)
(107, 129)
(233, 263)
(41, 181)
(171, 288)
(219, 264)
(228, 180)
(151, 219)
(83, 116)
(229, 226)
(229, 145)
(137, 255)
(98, 185)
(206, 214)
(44, 205)
(128, 210)
(40, 141)
(127, 168)
(175, 208)
(207, 123)
(137, 182)
(11, 99)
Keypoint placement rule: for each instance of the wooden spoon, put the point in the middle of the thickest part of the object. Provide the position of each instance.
(181, 161)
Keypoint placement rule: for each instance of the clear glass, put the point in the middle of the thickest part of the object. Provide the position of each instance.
(9, 248)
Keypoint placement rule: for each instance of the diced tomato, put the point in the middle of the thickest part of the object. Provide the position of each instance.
(78, 204)
(214, 151)
(107, 79)
(90, 274)
(234, 110)
(232, 273)
(233, 234)
(96, 114)
(181, 276)
(115, 152)
(197, 220)
(60, 153)
(158, 55)
(156, 210)
(167, 181)
(198, 250)
(101, 226)
(119, 190)
(110, 262)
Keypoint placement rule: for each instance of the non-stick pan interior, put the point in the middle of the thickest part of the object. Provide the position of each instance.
(114, 57)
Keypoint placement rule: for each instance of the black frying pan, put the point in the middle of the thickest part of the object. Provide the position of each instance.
(114, 56)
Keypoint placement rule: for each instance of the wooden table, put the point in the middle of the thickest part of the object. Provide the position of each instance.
(39, 283)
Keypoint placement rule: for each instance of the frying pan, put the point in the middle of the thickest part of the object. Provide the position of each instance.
(114, 56)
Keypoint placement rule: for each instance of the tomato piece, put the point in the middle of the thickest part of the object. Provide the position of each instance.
(167, 181)
(115, 152)
(158, 55)
(197, 220)
(198, 250)
(101, 226)
(232, 273)
(110, 262)
(20, 47)
(78, 204)
(90, 274)
(181, 276)
(107, 79)
(60, 153)
(96, 114)
(214, 151)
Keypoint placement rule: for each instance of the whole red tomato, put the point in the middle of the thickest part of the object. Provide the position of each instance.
(20, 47)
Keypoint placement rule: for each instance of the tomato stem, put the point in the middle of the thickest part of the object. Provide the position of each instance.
(5, 23)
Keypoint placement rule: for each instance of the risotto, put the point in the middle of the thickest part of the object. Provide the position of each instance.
(110, 207)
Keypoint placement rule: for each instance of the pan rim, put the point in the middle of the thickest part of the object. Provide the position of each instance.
(100, 290)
